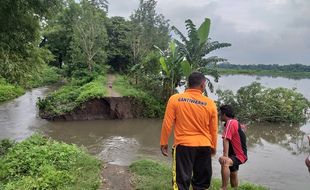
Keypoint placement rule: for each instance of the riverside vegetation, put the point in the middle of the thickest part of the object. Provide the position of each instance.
(296, 71)
(42, 163)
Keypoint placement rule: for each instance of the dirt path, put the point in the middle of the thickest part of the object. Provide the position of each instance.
(116, 178)
(111, 92)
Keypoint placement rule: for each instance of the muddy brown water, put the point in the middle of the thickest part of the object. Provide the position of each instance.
(276, 152)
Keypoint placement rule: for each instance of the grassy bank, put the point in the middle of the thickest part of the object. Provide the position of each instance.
(150, 107)
(48, 75)
(41, 163)
(294, 75)
(72, 95)
(8, 91)
(151, 175)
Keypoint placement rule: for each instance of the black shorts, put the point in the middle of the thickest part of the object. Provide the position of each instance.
(236, 163)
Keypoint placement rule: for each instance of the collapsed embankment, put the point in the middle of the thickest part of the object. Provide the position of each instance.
(102, 108)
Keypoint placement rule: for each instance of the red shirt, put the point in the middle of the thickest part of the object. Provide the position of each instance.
(231, 133)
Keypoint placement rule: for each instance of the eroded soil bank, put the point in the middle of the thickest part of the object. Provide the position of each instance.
(103, 108)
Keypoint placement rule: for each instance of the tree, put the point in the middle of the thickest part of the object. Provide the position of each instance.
(197, 45)
(89, 37)
(174, 67)
(118, 52)
(149, 29)
(58, 33)
(152, 28)
(20, 24)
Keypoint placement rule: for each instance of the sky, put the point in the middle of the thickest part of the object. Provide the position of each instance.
(260, 31)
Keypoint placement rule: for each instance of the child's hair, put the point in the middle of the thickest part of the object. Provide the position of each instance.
(227, 110)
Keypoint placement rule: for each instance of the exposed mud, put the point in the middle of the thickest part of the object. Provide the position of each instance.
(103, 108)
(116, 178)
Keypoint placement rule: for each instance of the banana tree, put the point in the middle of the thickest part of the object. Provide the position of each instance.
(197, 45)
(174, 66)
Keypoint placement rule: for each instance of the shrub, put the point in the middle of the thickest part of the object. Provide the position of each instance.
(47, 75)
(8, 91)
(257, 103)
(5, 144)
(147, 105)
(42, 163)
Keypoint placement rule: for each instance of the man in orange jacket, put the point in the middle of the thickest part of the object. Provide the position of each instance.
(195, 122)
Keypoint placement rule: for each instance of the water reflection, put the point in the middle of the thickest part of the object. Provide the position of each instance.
(289, 137)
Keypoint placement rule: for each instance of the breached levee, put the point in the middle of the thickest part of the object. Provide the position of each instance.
(102, 108)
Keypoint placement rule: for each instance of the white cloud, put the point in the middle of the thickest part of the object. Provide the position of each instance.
(261, 32)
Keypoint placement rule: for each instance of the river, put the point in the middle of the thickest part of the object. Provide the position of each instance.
(276, 152)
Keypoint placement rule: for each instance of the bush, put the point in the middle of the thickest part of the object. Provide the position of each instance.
(42, 163)
(148, 106)
(8, 91)
(257, 103)
(71, 96)
(47, 75)
(5, 144)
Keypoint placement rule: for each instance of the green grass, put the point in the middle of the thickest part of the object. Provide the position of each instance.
(122, 86)
(42, 163)
(71, 96)
(148, 106)
(8, 91)
(294, 75)
(151, 175)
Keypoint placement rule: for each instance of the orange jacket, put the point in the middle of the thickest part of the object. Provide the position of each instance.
(194, 117)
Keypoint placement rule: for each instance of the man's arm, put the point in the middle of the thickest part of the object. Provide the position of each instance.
(167, 126)
(214, 129)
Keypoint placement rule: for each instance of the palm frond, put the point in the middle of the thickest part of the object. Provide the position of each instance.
(212, 60)
(192, 33)
(177, 32)
(210, 85)
(211, 46)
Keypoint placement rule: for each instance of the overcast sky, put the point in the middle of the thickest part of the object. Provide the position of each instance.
(260, 31)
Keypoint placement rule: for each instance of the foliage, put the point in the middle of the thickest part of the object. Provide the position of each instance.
(118, 50)
(174, 67)
(71, 96)
(8, 91)
(48, 75)
(148, 106)
(257, 103)
(197, 45)
(41, 163)
(20, 54)
(148, 29)
(58, 33)
(5, 145)
(151, 175)
(273, 67)
(154, 28)
(296, 71)
(19, 69)
(89, 37)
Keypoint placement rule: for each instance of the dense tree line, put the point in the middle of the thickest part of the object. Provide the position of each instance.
(273, 67)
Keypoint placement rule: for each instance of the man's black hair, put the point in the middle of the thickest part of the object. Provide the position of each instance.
(227, 110)
(195, 79)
